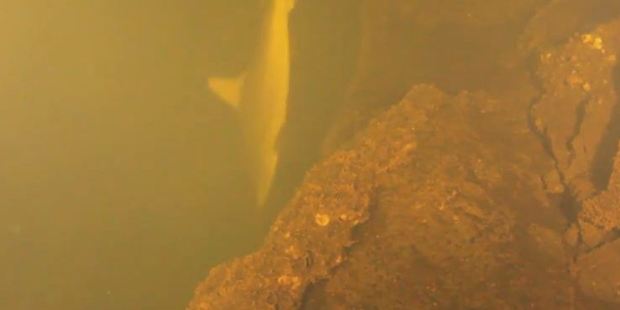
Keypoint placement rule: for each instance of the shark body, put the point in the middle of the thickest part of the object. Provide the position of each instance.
(260, 95)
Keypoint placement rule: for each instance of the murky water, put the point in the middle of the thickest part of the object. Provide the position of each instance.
(124, 177)
(121, 178)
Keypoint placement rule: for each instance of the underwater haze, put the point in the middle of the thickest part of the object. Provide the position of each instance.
(121, 176)
(143, 143)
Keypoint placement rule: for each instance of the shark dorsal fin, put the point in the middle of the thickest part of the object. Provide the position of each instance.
(228, 89)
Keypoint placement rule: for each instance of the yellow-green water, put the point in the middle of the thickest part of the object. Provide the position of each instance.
(124, 178)
(121, 178)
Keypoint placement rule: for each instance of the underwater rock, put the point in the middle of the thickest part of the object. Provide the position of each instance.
(598, 273)
(579, 103)
(599, 217)
(437, 203)
(599, 220)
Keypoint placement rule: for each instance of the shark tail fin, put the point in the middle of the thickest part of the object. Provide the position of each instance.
(228, 89)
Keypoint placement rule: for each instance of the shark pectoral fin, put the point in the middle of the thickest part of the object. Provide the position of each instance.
(228, 89)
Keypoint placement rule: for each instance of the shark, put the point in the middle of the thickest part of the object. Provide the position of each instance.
(260, 95)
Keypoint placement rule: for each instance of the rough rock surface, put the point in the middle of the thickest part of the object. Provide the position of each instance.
(579, 102)
(599, 222)
(437, 204)
(599, 218)
(598, 273)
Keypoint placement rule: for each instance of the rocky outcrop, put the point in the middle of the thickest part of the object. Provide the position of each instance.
(578, 104)
(599, 218)
(430, 207)
(599, 223)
